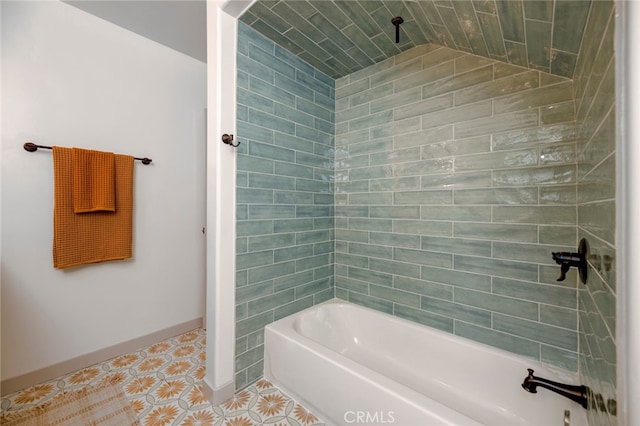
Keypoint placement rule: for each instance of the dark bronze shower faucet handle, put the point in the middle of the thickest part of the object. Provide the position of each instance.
(579, 260)
(566, 260)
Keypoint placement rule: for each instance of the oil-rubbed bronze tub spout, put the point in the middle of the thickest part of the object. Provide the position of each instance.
(575, 393)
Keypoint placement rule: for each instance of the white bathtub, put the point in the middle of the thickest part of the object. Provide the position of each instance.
(353, 365)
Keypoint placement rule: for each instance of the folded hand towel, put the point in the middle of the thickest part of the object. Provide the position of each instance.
(93, 181)
(95, 236)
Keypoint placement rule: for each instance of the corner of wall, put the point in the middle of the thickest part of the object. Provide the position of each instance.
(1, 150)
(218, 395)
(221, 175)
(628, 197)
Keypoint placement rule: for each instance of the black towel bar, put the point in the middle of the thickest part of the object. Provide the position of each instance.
(32, 147)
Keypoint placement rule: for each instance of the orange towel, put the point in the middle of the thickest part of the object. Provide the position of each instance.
(93, 181)
(96, 236)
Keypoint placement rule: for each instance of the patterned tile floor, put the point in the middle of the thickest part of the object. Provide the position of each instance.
(163, 382)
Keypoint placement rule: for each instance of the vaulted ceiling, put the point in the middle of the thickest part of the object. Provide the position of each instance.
(343, 36)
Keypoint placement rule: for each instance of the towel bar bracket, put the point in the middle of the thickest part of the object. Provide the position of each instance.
(30, 146)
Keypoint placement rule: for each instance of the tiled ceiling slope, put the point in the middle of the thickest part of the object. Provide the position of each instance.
(342, 36)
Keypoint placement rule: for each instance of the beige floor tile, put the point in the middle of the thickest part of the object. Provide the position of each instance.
(163, 383)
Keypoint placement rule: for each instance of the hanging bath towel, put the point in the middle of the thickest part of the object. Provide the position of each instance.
(94, 182)
(95, 236)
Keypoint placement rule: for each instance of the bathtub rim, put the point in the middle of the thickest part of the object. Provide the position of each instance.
(559, 373)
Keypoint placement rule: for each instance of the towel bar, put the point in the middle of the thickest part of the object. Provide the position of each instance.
(32, 147)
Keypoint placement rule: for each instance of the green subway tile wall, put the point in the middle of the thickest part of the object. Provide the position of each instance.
(285, 218)
(455, 180)
(451, 179)
(596, 115)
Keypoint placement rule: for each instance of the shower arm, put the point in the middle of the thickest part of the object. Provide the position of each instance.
(397, 21)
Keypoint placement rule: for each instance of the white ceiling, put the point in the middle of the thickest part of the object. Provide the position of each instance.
(180, 25)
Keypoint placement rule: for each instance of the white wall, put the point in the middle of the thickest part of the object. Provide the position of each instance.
(628, 203)
(221, 202)
(72, 79)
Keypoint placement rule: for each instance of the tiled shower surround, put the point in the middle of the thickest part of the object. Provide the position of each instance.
(455, 180)
(595, 117)
(285, 218)
(452, 176)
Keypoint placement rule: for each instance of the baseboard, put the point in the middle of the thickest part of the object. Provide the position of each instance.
(23, 381)
(217, 396)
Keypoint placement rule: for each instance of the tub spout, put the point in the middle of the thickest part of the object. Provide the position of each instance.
(575, 393)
